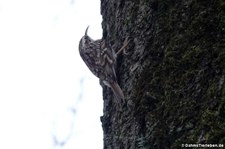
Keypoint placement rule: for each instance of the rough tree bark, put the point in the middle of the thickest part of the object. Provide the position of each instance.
(172, 77)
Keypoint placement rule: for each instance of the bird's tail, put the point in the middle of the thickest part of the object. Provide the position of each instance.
(117, 92)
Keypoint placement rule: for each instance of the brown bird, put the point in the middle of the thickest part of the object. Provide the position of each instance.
(101, 61)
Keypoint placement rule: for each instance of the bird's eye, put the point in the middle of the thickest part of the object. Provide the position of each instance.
(87, 39)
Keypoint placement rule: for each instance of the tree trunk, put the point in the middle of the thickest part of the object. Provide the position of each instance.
(172, 75)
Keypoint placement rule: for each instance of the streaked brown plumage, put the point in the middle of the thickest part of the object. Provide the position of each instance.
(101, 61)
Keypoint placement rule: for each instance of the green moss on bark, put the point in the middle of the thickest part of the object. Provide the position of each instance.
(178, 88)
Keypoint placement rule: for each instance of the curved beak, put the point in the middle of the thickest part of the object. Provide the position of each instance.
(86, 30)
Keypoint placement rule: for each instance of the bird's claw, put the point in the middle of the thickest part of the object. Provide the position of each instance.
(125, 43)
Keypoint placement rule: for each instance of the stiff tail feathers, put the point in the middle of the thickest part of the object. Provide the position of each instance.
(117, 91)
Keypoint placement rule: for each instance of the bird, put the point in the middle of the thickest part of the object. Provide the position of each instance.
(101, 61)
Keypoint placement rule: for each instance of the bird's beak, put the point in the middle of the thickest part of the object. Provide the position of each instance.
(86, 30)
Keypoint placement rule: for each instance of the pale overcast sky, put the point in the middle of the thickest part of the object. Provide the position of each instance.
(42, 77)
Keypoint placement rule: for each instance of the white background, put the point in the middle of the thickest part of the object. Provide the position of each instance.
(47, 94)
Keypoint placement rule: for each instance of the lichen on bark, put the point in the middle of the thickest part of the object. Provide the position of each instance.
(173, 75)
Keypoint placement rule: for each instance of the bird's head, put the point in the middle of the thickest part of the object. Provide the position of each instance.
(85, 40)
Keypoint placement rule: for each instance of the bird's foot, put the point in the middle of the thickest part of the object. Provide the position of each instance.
(125, 43)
